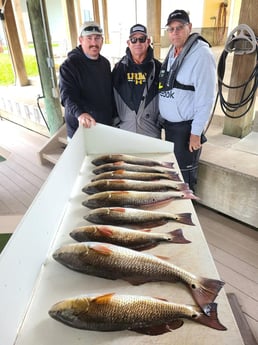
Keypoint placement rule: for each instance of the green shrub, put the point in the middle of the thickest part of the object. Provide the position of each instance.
(7, 74)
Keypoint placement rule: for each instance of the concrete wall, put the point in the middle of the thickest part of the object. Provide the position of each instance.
(228, 182)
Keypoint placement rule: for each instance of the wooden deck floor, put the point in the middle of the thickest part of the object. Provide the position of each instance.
(234, 246)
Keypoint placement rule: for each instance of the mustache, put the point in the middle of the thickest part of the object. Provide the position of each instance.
(94, 46)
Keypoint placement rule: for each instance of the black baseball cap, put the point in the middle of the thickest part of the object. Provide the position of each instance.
(179, 16)
(138, 29)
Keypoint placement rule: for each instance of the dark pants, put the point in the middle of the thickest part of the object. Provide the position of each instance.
(179, 133)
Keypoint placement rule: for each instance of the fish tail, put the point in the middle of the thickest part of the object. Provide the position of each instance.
(172, 175)
(188, 194)
(178, 237)
(183, 186)
(168, 165)
(206, 290)
(210, 318)
(184, 218)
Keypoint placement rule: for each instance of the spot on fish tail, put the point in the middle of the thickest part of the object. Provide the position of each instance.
(206, 290)
(211, 320)
(185, 218)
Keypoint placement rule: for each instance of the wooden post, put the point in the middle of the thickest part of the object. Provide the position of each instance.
(242, 67)
(105, 21)
(96, 16)
(14, 45)
(20, 22)
(42, 43)
(71, 21)
(154, 24)
(78, 13)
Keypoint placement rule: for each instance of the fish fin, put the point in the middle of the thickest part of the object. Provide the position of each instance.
(210, 318)
(185, 218)
(118, 172)
(144, 246)
(135, 282)
(161, 299)
(206, 290)
(162, 257)
(117, 209)
(105, 231)
(101, 248)
(118, 163)
(103, 299)
(146, 230)
(178, 237)
(159, 329)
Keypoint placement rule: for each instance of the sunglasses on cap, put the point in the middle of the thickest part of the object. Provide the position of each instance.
(93, 28)
(139, 39)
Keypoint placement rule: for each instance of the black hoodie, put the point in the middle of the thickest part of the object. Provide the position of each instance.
(85, 86)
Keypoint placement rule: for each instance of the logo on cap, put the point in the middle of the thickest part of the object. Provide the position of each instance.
(178, 15)
(138, 28)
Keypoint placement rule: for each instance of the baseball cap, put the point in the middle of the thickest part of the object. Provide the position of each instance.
(138, 28)
(90, 28)
(179, 16)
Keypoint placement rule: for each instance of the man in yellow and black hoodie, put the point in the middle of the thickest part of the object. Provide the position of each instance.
(135, 85)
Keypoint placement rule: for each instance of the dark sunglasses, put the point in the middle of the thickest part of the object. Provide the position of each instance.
(140, 39)
(93, 28)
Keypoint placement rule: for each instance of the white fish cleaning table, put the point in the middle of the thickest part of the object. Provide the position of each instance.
(32, 281)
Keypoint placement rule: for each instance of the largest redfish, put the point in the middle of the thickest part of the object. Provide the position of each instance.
(129, 159)
(116, 262)
(135, 217)
(142, 314)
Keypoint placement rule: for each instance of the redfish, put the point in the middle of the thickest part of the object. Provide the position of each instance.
(125, 237)
(135, 217)
(135, 199)
(141, 314)
(140, 176)
(129, 159)
(115, 262)
(129, 167)
(124, 184)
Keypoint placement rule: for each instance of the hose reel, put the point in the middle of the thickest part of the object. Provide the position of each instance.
(241, 40)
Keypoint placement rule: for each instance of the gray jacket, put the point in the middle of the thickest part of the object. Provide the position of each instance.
(136, 94)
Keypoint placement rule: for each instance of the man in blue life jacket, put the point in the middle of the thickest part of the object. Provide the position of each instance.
(187, 90)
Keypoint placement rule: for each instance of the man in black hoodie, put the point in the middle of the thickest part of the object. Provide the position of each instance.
(85, 82)
(135, 84)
